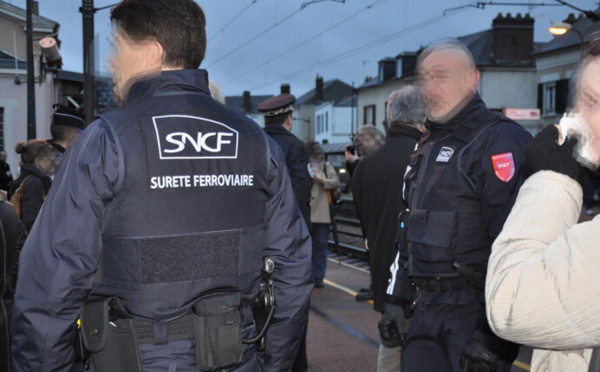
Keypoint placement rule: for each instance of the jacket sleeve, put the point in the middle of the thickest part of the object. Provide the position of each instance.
(31, 201)
(331, 179)
(288, 244)
(498, 191)
(61, 254)
(541, 288)
(302, 183)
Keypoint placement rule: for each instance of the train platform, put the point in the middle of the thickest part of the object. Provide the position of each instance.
(342, 332)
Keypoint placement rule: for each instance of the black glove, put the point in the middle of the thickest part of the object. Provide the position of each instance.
(392, 326)
(484, 350)
(544, 153)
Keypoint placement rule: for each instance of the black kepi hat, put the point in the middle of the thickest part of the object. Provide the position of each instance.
(277, 105)
(67, 117)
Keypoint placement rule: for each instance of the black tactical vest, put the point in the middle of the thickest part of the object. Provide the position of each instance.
(445, 223)
(188, 215)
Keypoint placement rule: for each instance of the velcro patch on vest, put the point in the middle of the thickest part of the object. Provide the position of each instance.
(445, 155)
(131, 262)
(504, 166)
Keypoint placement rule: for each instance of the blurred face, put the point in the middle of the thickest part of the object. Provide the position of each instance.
(2, 156)
(131, 61)
(368, 144)
(588, 106)
(448, 82)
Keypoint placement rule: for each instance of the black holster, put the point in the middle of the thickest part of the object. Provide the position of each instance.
(109, 336)
(218, 331)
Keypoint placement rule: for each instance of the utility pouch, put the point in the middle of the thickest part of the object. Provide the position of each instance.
(109, 336)
(218, 331)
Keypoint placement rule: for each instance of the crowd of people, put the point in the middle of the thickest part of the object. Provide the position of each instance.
(471, 224)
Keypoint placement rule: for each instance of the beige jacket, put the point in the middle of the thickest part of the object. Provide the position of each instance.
(542, 286)
(319, 202)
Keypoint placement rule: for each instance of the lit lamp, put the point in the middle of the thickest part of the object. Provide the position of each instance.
(562, 28)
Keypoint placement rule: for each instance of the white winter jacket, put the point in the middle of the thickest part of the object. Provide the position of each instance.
(543, 287)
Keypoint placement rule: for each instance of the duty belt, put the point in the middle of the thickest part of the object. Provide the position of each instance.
(440, 284)
(160, 333)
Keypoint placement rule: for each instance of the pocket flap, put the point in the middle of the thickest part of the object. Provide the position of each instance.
(434, 228)
(94, 323)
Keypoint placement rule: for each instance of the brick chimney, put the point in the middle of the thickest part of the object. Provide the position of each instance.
(512, 37)
(319, 94)
(35, 7)
(247, 103)
(571, 19)
(285, 89)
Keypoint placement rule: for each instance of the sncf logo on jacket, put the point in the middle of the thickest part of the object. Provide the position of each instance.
(193, 137)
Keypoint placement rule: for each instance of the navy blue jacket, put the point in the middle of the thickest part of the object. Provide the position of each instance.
(461, 184)
(67, 256)
(296, 159)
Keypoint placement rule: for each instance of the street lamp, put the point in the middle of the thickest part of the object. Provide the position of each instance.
(562, 28)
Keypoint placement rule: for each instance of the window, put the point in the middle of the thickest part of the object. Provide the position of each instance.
(399, 67)
(369, 115)
(1, 128)
(318, 124)
(553, 97)
(549, 98)
(326, 122)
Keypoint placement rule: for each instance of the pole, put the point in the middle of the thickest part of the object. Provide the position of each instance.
(89, 102)
(31, 133)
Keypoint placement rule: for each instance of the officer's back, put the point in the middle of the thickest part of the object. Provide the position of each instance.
(169, 206)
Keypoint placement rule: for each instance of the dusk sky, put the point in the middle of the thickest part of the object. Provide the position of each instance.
(257, 45)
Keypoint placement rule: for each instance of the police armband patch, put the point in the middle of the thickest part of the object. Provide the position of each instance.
(504, 166)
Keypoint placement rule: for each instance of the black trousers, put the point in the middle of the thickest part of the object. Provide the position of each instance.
(441, 326)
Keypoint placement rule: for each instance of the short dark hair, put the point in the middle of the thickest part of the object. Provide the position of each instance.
(178, 25)
(61, 132)
(277, 119)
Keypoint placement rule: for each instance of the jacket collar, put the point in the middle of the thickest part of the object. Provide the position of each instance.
(276, 129)
(169, 81)
(475, 114)
(403, 131)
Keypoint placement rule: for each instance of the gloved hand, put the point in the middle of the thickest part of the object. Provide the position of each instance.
(392, 326)
(544, 153)
(487, 352)
(477, 357)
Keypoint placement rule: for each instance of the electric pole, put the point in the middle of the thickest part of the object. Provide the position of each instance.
(31, 132)
(89, 101)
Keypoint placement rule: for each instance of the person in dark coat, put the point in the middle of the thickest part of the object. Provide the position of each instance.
(66, 127)
(163, 223)
(37, 164)
(5, 174)
(9, 225)
(278, 125)
(376, 188)
(460, 185)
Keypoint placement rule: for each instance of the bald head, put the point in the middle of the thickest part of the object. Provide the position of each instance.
(448, 79)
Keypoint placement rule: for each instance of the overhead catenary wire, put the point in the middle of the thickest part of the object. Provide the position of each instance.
(247, 42)
(295, 47)
(361, 48)
(232, 20)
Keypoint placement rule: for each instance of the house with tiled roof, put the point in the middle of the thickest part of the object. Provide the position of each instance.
(503, 55)
(331, 91)
(247, 104)
(556, 63)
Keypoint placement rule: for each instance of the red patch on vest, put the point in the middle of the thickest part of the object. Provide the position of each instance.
(504, 166)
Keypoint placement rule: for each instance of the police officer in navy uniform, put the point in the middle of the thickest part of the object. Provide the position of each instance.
(278, 125)
(168, 220)
(66, 126)
(460, 185)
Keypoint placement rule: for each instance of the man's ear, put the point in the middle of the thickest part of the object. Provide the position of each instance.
(153, 54)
